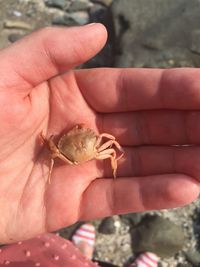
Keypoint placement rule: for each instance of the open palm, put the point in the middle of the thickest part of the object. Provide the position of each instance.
(39, 92)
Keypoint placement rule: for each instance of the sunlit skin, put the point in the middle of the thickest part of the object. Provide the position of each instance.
(147, 110)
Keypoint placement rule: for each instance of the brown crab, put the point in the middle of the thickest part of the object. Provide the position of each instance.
(82, 144)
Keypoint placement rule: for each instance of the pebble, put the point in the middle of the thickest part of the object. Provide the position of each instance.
(132, 218)
(195, 45)
(104, 2)
(117, 224)
(158, 235)
(13, 37)
(79, 5)
(193, 257)
(107, 226)
(71, 19)
(97, 13)
(184, 265)
(12, 24)
(17, 13)
(62, 4)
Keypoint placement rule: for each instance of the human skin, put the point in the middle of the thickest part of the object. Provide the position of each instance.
(148, 110)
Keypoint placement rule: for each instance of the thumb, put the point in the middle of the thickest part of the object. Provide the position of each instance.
(48, 52)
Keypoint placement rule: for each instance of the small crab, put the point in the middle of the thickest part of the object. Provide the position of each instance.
(82, 144)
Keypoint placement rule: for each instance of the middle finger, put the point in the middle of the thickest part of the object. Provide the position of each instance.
(156, 160)
(154, 127)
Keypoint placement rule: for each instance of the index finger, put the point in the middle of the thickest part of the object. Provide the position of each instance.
(118, 90)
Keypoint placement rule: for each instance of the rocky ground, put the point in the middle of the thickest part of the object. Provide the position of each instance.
(145, 33)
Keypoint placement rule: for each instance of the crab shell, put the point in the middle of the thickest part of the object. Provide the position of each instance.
(78, 145)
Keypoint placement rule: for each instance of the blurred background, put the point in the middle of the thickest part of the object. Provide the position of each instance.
(142, 33)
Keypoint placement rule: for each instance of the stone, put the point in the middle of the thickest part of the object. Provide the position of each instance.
(193, 257)
(107, 226)
(104, 2)
(72, 19)
(157, 235)
(60, 20)
(145, 35)
(195, 41)
(62, 4)
(132, 218)
(79, 5)
(17, 13)
(97, 13)
(184, 265)
(31, 12)
(13, 37)
(17, 24)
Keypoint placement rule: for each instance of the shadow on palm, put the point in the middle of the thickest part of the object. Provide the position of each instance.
(69, 182)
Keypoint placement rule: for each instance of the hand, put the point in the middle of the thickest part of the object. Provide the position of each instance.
(147, 110)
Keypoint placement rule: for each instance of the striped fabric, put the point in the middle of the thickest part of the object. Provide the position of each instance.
(147, 259)
(86, 233)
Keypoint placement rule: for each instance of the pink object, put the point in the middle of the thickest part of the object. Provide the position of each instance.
(147, 259)
(48, 250)
(85, 233)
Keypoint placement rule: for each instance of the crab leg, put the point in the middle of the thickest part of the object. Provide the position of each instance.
(50, 169)
(109, 154)
(60, 156)
(101, 136)
(109, 144)
(42, 138)
(55, 153)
